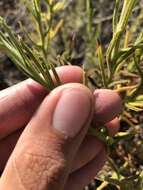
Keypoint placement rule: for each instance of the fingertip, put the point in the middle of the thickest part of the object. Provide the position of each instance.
(113, 126)
(69, 74)
(108, 105)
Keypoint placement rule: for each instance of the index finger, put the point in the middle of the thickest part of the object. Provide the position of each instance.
(18, 103)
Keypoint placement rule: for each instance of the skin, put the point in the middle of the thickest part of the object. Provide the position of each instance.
(42, 146)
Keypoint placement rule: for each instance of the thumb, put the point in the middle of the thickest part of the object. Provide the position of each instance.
(43, 156)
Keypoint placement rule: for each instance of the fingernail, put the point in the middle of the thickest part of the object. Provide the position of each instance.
(72, 111)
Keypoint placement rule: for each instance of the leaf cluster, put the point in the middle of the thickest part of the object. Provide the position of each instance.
(32, 58)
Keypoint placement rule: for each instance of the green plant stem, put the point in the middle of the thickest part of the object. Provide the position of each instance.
(45, 47)
(120, 28)
(42, 38)
(140, 86)
(49, 27)
(116, 15)
(114, 167)
(89, 10)
(101, 64)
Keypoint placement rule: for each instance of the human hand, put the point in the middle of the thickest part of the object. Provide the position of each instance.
(53, 150)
